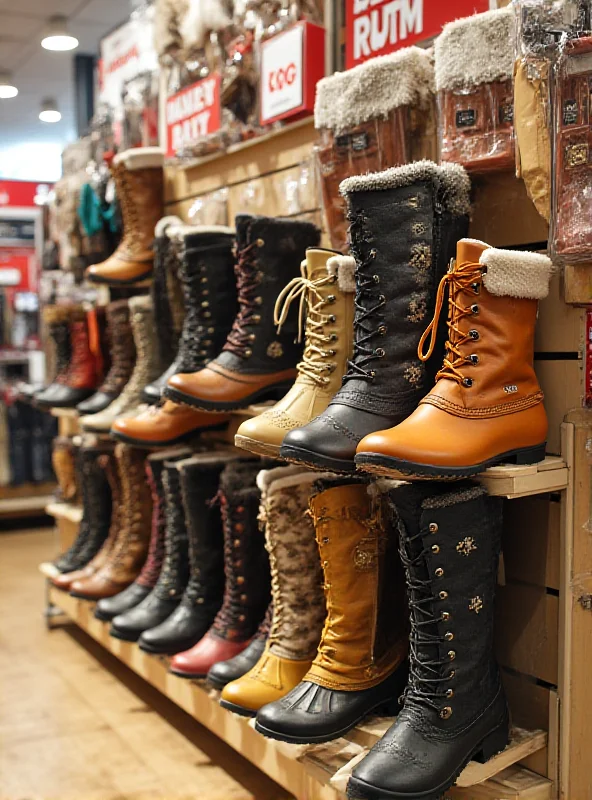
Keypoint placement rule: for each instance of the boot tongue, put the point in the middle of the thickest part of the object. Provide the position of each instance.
(242, 223)
(316, 263)
(470, 250)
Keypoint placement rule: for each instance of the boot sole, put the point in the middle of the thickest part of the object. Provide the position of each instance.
(170, 651)
(189, 676)
(147, 443)
(494, 743)
(80, 596)
(115, 282)
(259, 448)
(219, 684)
(398, 468)
(298, 455)
(242, 712)
(269, 393)
(125, 637)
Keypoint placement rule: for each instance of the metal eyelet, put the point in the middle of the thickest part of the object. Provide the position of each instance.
(474, 334)
(248, 352)
(475, 308)
(258, 301)
(331, 298)
(446, 712)
(474, 358)
(468, 382)
(376, 278)
(236, 542)
(256, 319)
(439, 572)
(382, 330)
(205, 304)
(330, 352)
(206, 292)
(449, 636)
(449, 693)
(240, 580)
(381, 298)
(243, 598)
(252, 337)
(260, 242)
(211, 330)
(332, 318)
(476, 287)
(207, 314)
(380, 352)
(200, 601)
(373, 253)
(443, 595)
(451, 674)
(203, 280)
(373, 373)
(433, 527)
(435, 548)
(333, 337)
(445, 616)
(451, 655)
(241, 618)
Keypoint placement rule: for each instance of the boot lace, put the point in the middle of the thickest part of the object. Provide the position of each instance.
(248, 278)
(122, 359)
(232, 611)
(315, 364)
(152, 567)
(368, 304)
(131, 512)
(459, 278)
(426, 678)
(196, 337)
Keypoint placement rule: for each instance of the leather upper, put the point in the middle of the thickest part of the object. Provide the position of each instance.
(271, 678)
(165, 424)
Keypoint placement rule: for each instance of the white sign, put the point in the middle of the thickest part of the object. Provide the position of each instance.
(281, 73)
(125, 53)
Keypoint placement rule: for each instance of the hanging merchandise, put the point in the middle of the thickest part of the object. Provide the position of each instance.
(483, 410)
(325, 293)
(454, 708)
(256, 362)
(474, 59)
(377, 115)
(361, 663)
(398, 266)
(296, 586)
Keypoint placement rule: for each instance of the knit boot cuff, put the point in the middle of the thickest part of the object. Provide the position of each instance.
(141, 158)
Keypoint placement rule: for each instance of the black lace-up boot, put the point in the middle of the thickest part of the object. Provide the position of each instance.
(96, 503)
(455, 709)
(226, 671)
(200, 478)
(404, 225)
(174, 574)
(209, 297)
(246, 568)
(256, 362)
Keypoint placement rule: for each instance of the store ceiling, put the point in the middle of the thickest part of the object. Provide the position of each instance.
(39, 73)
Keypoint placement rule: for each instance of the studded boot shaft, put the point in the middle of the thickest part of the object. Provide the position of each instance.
(255, 359)
(454, 708)
(325, 293)
(404, 224)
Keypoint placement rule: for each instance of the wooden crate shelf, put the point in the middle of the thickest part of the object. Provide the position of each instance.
(508, 480)
(306, 771)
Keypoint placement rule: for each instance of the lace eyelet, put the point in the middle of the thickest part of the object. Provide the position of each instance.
(258, 301)
(451, 655)
(439, 572)
(373, 253)
(252, 337)
(207, 314)
(380, 353)
(331, 298)
(332, 318)
(474, 358)
(333, 337)
(451, 674)
(373, 373)
(476, 287)
(241, 618)
(449, 636)
(443, 595)
(381, 298)
(211, 330)
(244, 598)
(376, 278)
(382, 330)
(468, 382)
(446, 712)
(449, 693)
(474, 334)
(203, 280)
(435, 548)
(260, 242)
(205, 304)
(433, 527)
(256, 319)
(248, 352)
(474, 308)
(445, 616)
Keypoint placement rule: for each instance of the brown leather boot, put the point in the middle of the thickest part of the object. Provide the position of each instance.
(361, 660)
(487, 405)
(128, 553)
(138, 175)
(166, 425)
(256, 363)
(63, 456)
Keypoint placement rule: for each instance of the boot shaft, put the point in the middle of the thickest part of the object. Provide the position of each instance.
(296, 575)
(63, 458)
(82, 371)
(209, 293)
(98, 500)
(146, 366)
(123, 349)
(365, 631)
(450, 543)
(139, 182)
(166, 340)
(493, 299)
(404, 224)
(130, 549)
(57, 320)
(174, 573)
(269, 253)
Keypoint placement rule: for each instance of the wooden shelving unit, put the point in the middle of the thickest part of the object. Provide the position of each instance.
(306, 771)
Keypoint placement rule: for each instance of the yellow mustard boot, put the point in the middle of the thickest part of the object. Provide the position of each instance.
(326, 293)
(299, 608)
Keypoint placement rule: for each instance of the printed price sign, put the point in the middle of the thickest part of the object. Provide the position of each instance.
(193, 113)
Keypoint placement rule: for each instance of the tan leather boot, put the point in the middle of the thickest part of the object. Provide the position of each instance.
(165, 425)
(145, 370)
(138, 175)
(299, 608)
(326, 290)
(361, 660)
(126, 557)
(487, 406)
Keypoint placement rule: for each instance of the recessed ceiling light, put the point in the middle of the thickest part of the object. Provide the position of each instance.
(57, 36)
(49, 111)
(7, 87)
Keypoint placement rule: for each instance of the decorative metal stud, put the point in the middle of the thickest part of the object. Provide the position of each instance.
(466, 546)
(476, 604)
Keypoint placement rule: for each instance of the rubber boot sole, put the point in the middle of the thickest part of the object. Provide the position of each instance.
(399, 468)
(140, 279)
(147, 443)
(243, 712)
(273, 392)
(308, 458)
(257, 447)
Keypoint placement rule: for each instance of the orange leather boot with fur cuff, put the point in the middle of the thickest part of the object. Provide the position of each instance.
(487, 406)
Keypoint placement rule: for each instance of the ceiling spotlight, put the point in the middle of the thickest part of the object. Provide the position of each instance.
(7, 88)
(49, 111)
(57, 36)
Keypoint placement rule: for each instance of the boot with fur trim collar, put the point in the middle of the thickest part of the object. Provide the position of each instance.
(326, 294)
(487, 406)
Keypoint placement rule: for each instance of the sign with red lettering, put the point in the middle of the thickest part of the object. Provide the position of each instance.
(193, 113)
(588, 359)
(126, 53)
(292, 63)
(377, 27)
(23, 194)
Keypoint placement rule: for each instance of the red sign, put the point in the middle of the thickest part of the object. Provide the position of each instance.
(588, 359)
(21, 194)
(292, 63)
(18, 269)
(193, 113)
(377, 27)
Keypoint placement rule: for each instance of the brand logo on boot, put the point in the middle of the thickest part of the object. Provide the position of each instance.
(511, 389)
(275, 350)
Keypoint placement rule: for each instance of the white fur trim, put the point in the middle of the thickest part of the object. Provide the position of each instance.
(141, 158)
(475, 50)
(164, 223)
(515, 273)
(383, 485)
(451, 180)
(373, 89)
(180, 231)
(142, 302)
(344, 267)
(201, 17)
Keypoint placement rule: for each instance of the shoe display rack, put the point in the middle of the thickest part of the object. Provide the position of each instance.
(544, 606)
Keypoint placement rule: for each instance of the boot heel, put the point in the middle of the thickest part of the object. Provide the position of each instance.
(531, 455)
(493, 744)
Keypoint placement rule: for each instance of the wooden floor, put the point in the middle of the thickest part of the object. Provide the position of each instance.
(75, 724)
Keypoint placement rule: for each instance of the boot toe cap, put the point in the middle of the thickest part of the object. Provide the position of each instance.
(249, 693)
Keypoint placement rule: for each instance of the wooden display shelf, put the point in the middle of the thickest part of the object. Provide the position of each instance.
(24, 506)
(508, 480)
(306, 771)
